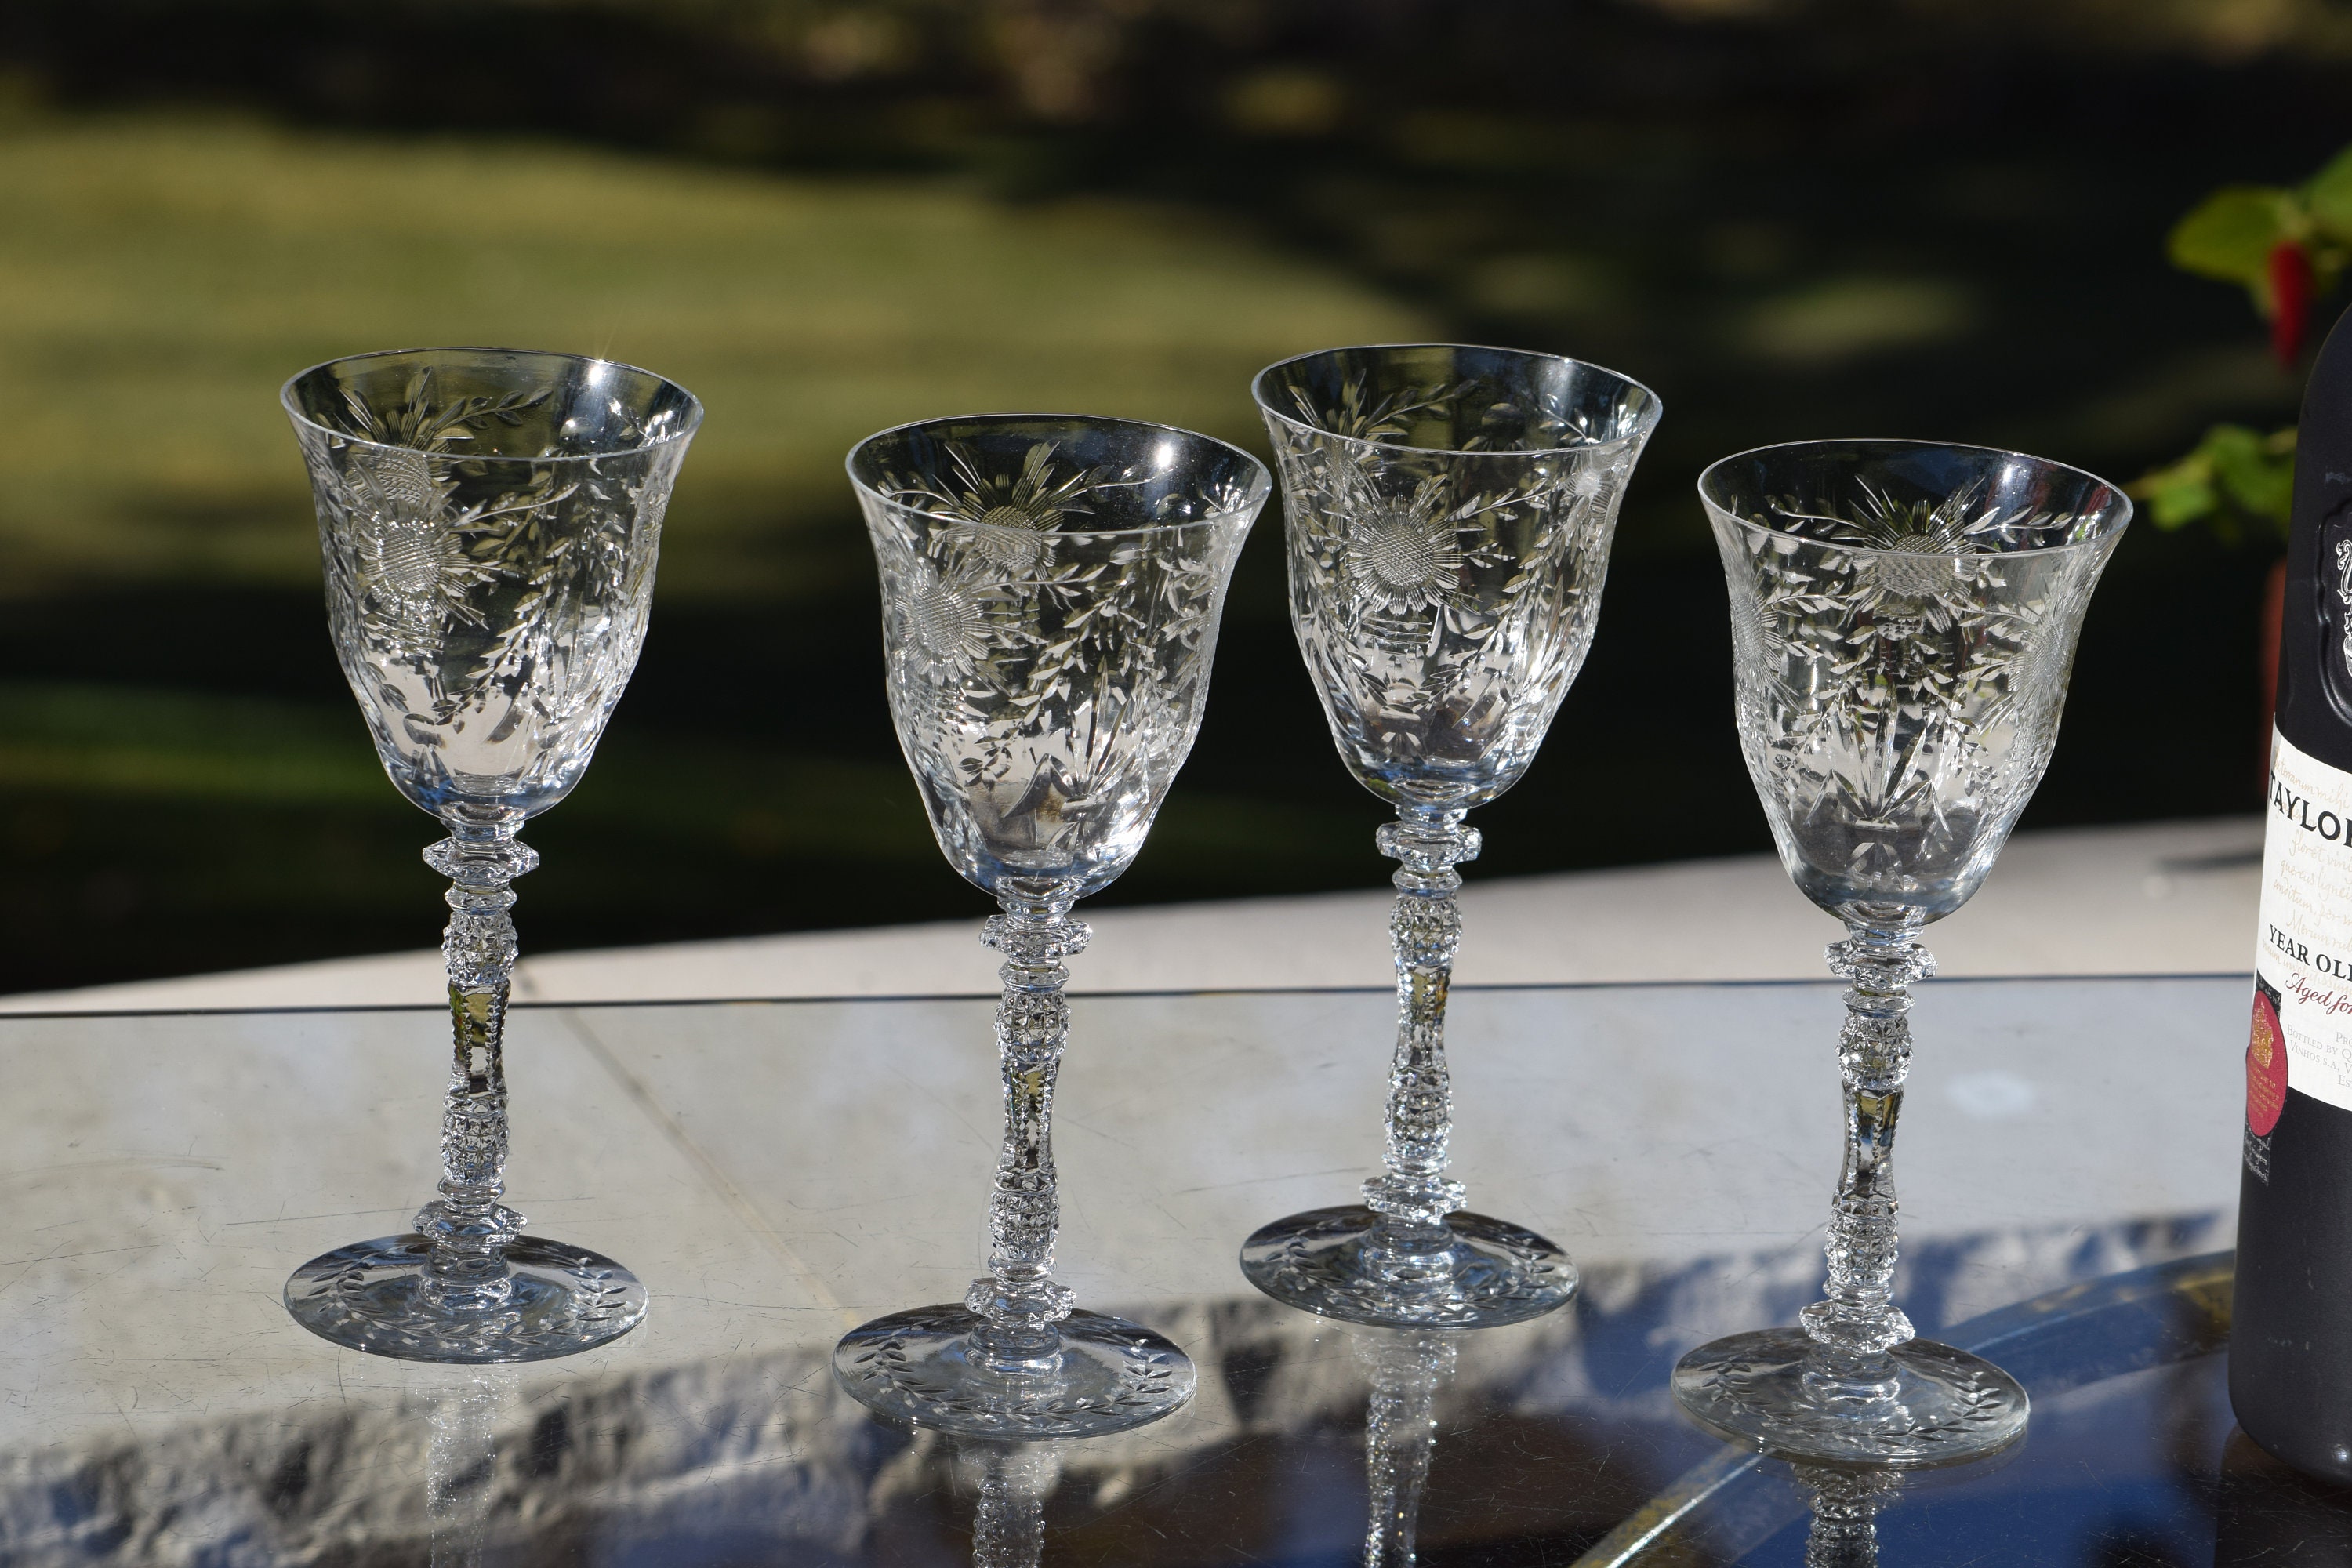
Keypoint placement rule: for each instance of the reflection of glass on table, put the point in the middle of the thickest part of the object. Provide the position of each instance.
(738, 1156)
(1405, 1368)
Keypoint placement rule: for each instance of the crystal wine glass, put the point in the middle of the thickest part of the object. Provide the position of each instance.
(1051, 589)
(1449, 513)
(488, 520)
(1904, 617)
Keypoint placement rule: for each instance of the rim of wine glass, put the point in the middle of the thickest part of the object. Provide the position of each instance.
(1653, 413)
(1261, 482)
(2122, 519)
(687, 428)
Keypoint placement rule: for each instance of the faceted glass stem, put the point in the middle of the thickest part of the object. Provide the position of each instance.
(1856, 1322)
(1854, 1386)
(470, 1229)
(1425, 931)
(467, 1287)
(1015, 1359)
(1411, 1255)
(1019, 1297)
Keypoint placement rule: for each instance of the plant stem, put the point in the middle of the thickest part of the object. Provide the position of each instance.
(1856, 1319)
(1425, 929)
(468, 1224)
(1020, 1299)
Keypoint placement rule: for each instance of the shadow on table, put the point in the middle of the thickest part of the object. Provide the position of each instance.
(1310, 1443)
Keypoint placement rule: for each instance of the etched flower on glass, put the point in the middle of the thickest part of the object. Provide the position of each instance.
(1904, 618)
(1449, 515)
(1051, 590)
(487, 521)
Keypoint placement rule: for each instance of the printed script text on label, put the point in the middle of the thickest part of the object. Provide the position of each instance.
(2305, 945)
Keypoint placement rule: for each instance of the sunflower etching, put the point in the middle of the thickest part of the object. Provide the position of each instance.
(1402, 556)
(947, 623)
(1005, 522)
(1592, 485)
(1399, 559)
(415, 549)
(1914, 559)
(414, 562)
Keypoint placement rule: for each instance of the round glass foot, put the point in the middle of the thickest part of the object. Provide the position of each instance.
(1922, 1405)
(1106, 1374)
(376, 1296)
(1472, 1272)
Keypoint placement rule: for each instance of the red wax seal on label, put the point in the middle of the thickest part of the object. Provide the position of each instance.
(2265, 1069)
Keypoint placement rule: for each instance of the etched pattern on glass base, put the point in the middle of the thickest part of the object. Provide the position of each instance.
(1466, 1272)
(1102, 1375)
(382, 1296)
(1916, 1405)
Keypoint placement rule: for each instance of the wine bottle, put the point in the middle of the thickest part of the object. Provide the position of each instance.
(2290, 1337)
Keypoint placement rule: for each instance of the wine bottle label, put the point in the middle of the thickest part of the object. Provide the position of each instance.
(2303, 964)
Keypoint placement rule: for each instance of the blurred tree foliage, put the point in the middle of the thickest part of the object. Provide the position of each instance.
(2286, 245)
(2236, 481)
(764, 78)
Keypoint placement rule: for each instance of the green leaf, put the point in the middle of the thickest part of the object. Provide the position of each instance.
(2235, 475)
(2329, 197)
(2180, 495)
(2257, 480)
(2229, 234)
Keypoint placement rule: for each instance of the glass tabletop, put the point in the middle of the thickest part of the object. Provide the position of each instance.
(776, 1173)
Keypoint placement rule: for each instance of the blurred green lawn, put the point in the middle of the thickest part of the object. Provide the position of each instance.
(180, 774)
(162, 276)
(185, 784)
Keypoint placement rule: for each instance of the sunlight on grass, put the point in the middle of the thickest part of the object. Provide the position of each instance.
(162, 276)
(1845, 319)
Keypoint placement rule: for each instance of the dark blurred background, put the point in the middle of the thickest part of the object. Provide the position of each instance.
(1919, 218)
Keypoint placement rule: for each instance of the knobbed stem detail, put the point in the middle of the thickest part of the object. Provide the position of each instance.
(1856, 1315)
(1020, 1299)
(469, 1226)
(1426, 929)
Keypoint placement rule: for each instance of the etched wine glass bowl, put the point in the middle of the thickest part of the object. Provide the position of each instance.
(1904, 617)
(1449, 512)
(1051, 591)
(487, 522)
